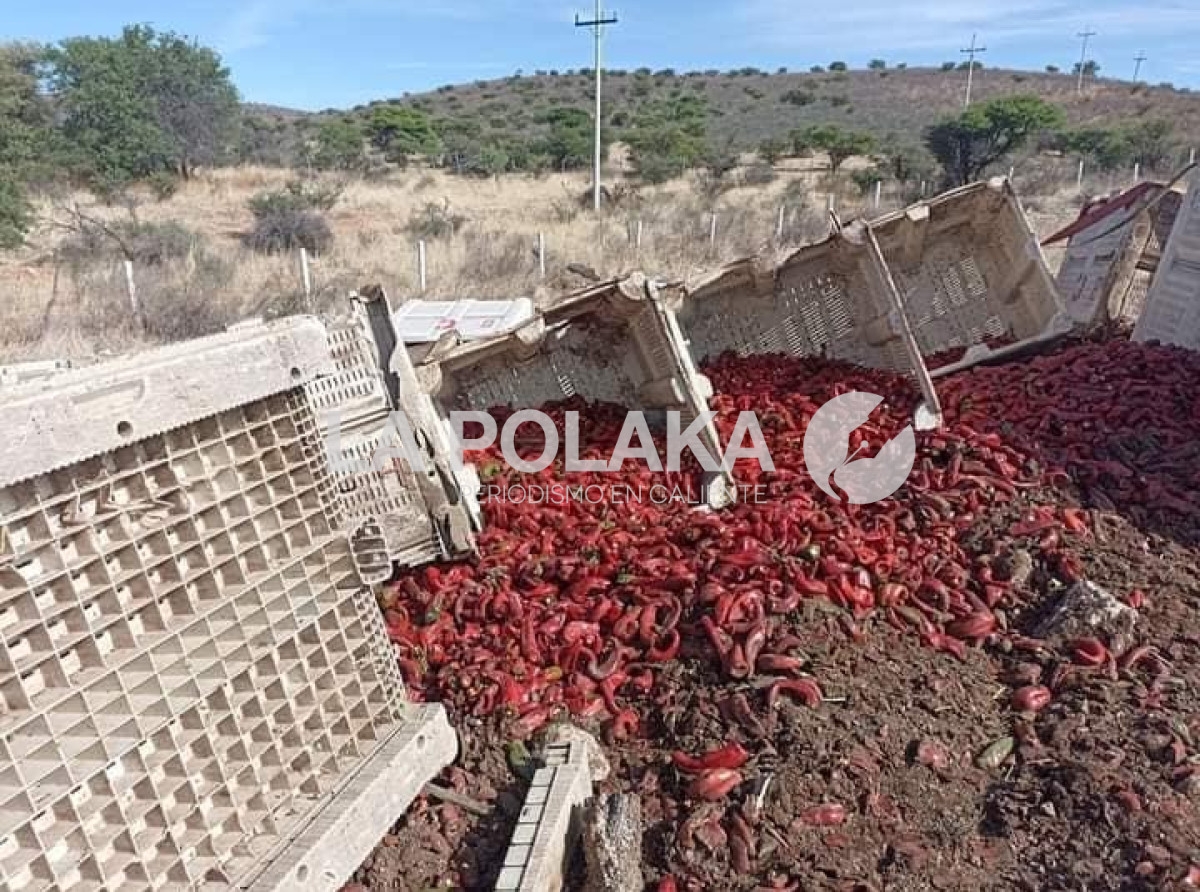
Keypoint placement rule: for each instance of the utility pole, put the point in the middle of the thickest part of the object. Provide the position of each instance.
(971, 52)
(1084, 35)
(597, 24)
(1137, 64)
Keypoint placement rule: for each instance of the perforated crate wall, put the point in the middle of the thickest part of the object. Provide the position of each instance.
(615, 343)
(190, 665)
(820, 300)
(969, 268)
(374, 481)
(1172, 312)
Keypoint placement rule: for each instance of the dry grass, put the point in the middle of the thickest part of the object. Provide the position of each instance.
(81, 312)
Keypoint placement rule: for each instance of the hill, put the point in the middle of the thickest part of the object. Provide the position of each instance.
(746, 106)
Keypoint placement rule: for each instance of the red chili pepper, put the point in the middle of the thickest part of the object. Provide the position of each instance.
(732, 755)
(1089, 652)
(668, 884)
(714, 784)
(1031, 698)
(661, 652)
(831, 814)
(778, 663)
(973, 626)
(804, 689)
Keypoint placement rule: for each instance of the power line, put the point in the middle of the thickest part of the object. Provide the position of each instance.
(596, 23)
(971, 52)
(1137, 64)
(1085, 35)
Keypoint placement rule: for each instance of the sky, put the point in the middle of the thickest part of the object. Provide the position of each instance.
(310, 54)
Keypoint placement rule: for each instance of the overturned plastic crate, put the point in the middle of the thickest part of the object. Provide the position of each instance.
(835, 298)
(1172, 313)
(971, 275)
(618, 342)
(197, 690)
(394, 505)
(1112, 253)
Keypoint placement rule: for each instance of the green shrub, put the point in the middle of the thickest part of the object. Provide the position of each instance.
(297, 195)
(15, 215)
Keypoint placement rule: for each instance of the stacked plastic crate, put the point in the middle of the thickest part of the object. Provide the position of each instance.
(195, 679)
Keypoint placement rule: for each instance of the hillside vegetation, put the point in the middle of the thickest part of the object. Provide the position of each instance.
(747, 106)
(135, 151)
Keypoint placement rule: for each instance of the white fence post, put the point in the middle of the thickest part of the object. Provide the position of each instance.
(637, 237)
(779, 223)
(1192, 157)
(131, 292)
(1012, 171)
(541, 252)
(712, 232)
(1137, 171)
(1079, 177)
(305, 276)
(421, 264)
(878, 198)
(923, 187)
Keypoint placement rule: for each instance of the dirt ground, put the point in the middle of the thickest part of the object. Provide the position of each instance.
(917, 771)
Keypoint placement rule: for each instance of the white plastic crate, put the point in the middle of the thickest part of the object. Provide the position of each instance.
(376, 485)
(835, 298)
(1172, 313)
(425, 321)
(449, 487)
(549, 822)
(969, 268)
(35, 370)
(1112, 252)
(618, 343)
(192, 673)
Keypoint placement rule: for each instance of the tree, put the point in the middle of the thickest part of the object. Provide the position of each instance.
(1052, 69)
(142, 103)
(772, 149)
(339, 146)
(949, 66)
(399, 131)
(668, 137)
(1090, 68)
(877, 64)
(25, 114)
(798, 97)
(837, 66)
(570, 143)
(15, 214)
(866, 178)
(25, 138)
(1105, 148)
(1150, 142)
(905, 163)
(837, 143)
(967, 144)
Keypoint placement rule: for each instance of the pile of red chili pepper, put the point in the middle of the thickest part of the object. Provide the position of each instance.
(574, 606)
